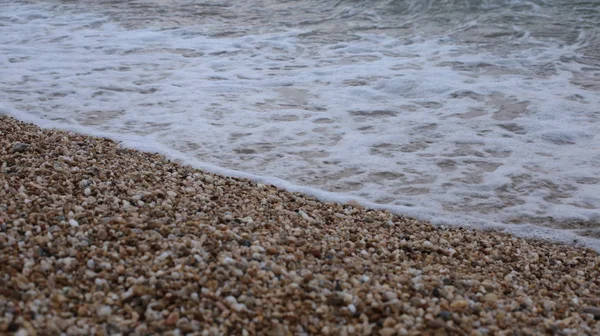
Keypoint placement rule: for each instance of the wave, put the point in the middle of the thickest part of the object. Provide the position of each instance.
(468, 6)
(442, 112)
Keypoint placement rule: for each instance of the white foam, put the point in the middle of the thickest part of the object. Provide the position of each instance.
(440, 131)
(144, 144)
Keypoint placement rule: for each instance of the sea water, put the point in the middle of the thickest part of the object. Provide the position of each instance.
(470, 112)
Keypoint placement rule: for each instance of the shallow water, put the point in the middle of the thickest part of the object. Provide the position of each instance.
(474, 112)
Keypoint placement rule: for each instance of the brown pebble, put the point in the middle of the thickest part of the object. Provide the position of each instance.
(389, 322)
(101, 234)
(172, 319)
(459, 305)
(278, 330)
(387, 332)
(490, 298)
(436, 324)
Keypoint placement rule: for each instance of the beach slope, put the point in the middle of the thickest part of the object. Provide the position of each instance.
(99, 239)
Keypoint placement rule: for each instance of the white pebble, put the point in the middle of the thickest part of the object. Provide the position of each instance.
(21, 332)
(257, 256)
(228, 261)
(104, 311)
(73, 222)
(239, 307)
(390, 296)
(305, 216)
(257, 249)
(163, 256)
(45, 266)
(230, 300)
(106, 265)
(128, 294)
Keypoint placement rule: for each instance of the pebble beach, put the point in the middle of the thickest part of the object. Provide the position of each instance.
(97, 239)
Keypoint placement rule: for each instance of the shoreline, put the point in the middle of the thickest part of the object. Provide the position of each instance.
(96, 238)
(526, 231)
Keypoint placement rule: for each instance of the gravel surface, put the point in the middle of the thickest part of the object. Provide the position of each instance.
(96, 239)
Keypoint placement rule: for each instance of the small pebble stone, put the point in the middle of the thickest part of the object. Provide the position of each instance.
(104, 311)
(490, 298)
(387, 332)
(19, 147)
(445, 315)
(436, 324)
(592, 310)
